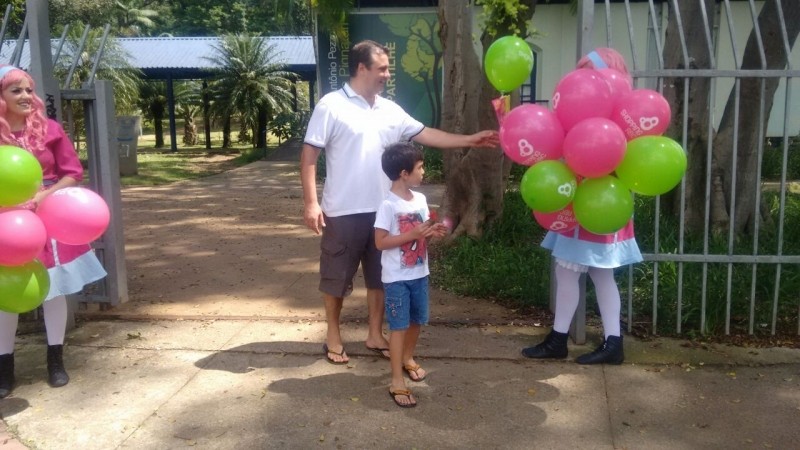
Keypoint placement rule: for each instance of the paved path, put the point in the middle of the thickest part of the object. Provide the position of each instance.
(235, 367)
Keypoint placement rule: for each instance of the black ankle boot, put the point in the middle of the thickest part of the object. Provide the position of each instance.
(609, 352)
(6, 374)
(55, 366)
(553, 346)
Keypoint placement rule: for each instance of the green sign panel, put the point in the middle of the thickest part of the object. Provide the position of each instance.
(414, 60)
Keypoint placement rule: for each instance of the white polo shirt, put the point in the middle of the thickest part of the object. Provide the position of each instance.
(354, 135)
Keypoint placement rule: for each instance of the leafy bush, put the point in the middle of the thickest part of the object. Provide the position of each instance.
(508, 264)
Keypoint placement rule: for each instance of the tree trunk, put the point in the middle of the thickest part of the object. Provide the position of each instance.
(261, 128)
(158, 128)
(189, 131)
(751, 92)
(226, 133)
(475, 178)
(697, 114)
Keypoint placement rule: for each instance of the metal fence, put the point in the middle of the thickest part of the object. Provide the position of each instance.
(721, 276)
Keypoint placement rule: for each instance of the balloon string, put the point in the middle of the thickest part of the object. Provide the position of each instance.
(501, 106)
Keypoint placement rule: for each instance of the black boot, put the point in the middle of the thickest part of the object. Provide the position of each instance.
(55, 366)
(609, 352)
(553, 346)
(6, 374)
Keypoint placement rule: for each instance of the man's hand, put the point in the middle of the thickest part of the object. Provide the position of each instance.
(313, 217)
(485, 139)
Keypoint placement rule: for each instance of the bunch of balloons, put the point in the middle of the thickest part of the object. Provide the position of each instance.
(600, 142)
(72, 215)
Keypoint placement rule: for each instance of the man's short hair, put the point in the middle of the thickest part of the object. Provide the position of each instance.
(399, 157)
(361, 53)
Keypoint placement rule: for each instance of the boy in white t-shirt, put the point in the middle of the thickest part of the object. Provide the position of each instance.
(402, 227)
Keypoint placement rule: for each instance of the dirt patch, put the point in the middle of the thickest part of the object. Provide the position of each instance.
(233, 245)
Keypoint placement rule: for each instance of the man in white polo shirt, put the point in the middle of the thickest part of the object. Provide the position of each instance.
(354, 124)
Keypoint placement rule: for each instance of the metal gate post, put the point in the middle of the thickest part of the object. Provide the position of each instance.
(101, 126)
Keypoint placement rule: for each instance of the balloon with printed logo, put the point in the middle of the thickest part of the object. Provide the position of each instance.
(602, 205)
(531, 133)
(561, 220)
(20, 175)
(594, 147)
(22, 236)
(23, 288)
(620, 83)
(582, 94)
(74, 215)
(548, 186)
(508, 63)
(653, 165)
(642, 112)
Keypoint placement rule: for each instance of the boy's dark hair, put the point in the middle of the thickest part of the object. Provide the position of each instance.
(399, 157)
(361, 53)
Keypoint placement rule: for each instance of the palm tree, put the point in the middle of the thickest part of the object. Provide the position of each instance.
(113, 66)
(153, 103)
(250, 82)
(131, 18)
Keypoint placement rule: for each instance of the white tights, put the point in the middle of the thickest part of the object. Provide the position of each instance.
(568, 293)
(55, 322)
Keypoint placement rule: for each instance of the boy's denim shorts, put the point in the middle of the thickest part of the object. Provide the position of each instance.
(406, 303)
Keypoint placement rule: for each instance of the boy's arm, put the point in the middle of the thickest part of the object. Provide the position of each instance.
(386, 241)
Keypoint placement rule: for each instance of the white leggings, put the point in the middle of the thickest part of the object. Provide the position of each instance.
(55, 322)
(568, 293)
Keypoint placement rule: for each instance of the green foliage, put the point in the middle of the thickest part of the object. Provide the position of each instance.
(507, 263)
(332, 16)
(434, 165)
(502, 16)
(133, 18)
(250, 81)
(289, 124)
(741, 276)
(772, 163)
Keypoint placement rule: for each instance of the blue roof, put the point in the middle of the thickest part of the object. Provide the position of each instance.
(185, 57)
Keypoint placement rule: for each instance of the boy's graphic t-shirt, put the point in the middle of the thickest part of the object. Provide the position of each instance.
(397, 216)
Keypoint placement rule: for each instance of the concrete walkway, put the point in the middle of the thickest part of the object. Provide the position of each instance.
(235, 368)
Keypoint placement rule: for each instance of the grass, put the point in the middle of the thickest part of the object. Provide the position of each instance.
(157, 166)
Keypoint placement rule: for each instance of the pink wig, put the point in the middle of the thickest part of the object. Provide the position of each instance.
(35, 124)
(608, 56)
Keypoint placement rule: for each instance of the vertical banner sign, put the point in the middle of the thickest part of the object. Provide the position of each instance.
(415, 59)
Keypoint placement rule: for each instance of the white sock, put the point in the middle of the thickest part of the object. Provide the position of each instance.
(567, 296)
(8, 332)
(55, 319)
(607, 299)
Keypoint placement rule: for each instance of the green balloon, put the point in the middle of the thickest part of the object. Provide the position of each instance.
(23, 288)
(508, 63)
(602, 205)
(20, 175)
(653, 165)
(548, 186)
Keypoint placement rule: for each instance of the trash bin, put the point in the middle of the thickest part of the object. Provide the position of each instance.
(128, 128)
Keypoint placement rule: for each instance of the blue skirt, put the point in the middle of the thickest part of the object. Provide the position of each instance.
(592, 254)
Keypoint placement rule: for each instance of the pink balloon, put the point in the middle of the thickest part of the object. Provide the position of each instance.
(561, 220)
(594, 147)
(22, 237)
(580, 95)
(531, 133)
(74, 215)
(642, 112)
(620, 83)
